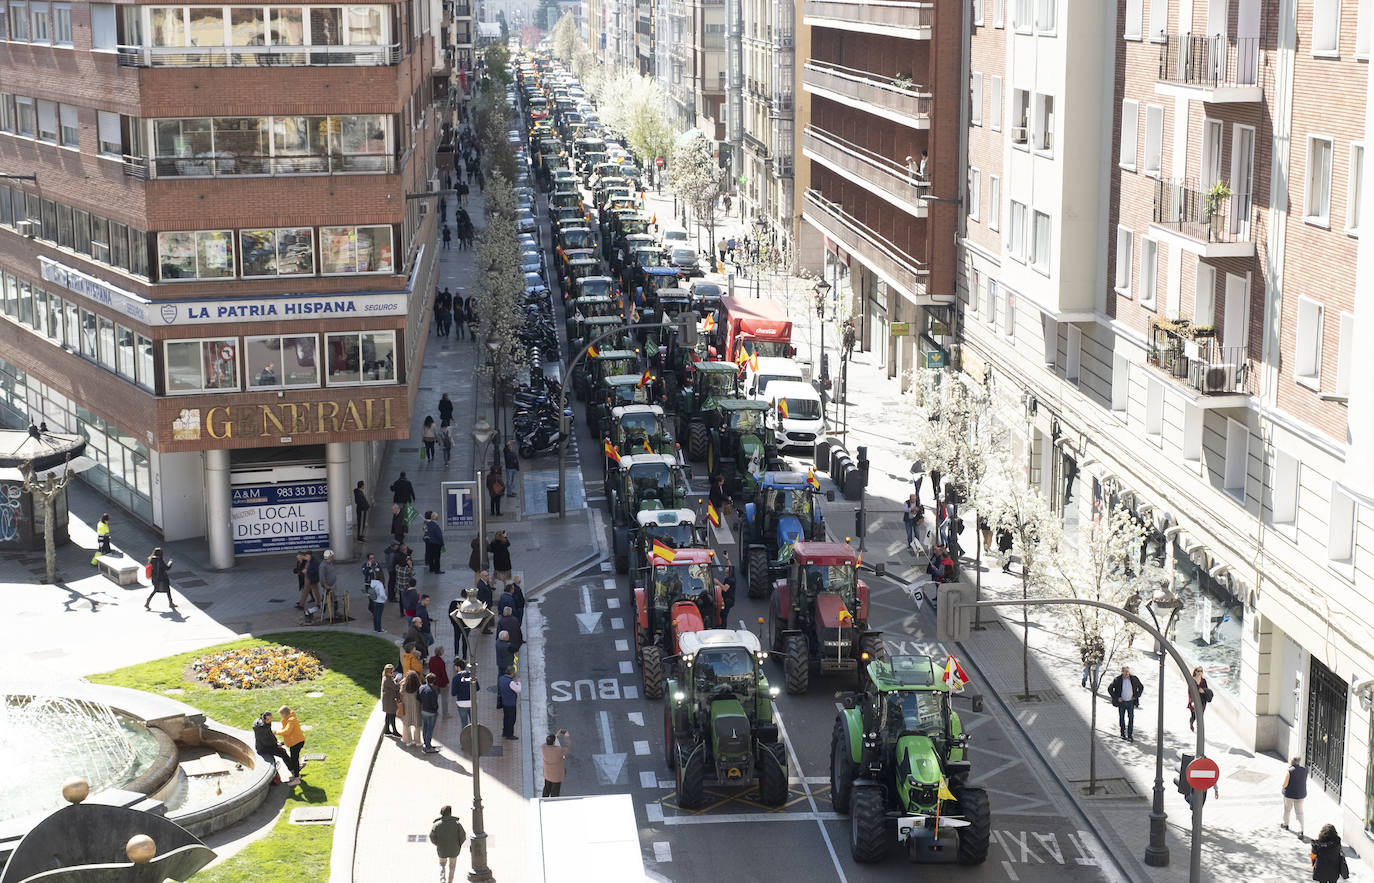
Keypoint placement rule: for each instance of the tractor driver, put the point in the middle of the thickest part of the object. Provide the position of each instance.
(816, 578)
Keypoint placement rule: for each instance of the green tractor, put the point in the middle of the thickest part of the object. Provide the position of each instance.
(642, 482)
(785, 508)
(594, 327)
(587, 307)
(610, 393)
(704, 383)
(718, 723)
(638, 429)
(741, 448)
(604, 363)
(899, 769)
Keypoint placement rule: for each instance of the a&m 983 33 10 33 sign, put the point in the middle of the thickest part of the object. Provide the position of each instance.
(280, 517)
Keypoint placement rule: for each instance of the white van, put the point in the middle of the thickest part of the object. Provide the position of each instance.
(674, 237)
(771, 368)
(804, 423)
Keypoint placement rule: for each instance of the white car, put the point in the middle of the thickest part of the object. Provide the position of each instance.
(803, 424)
(771, 369)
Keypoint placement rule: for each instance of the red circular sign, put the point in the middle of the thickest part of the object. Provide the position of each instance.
(226, 353)
(659, 162)
(1203, 773)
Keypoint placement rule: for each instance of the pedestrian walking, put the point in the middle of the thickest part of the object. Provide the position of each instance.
(429, 435)
(935, 485)
(434, 543)
(1294, 793)
(428, 699)
(909, 510)
(292, 736)
(1328, 861)
(438, 669)
(376, 602)
(985, 533)
(461, 687)
(508, 696)
(447, 236)
(496, 489)
(102, 537)
(361, 505)
(269, 749)
(402, 491)
(445, 410)
(499, 549)
(1091, 654)
(1004, 542)
(554, 750)
(398, 523)
(448, 837)
(512, 467)
(720, 249)
(446, 442)
(1203, 690)
(391, 699)
(403, 585)
(458, 317)
(157, 571)
(1125, 691)
(410, 710)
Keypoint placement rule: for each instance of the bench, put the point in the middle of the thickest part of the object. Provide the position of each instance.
(119, 568)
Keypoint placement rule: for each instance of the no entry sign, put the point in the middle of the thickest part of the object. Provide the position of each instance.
(1203, 773)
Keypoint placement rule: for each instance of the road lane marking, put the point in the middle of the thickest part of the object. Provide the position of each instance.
(629, 692)
(609, 584)
(810, 798)
(654, 812)
(616, 623)
(609, 764)
(667, 784)
(622, 645)
(606, 567)
(636, 718)
(746, 817)
(588, 620)
(648, 780)
(612, 603)
(724, 536)
(627, 667)
(641, 747)
(1011, 872)
(662, 852)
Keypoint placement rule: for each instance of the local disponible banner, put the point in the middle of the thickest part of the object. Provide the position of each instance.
(280, 517)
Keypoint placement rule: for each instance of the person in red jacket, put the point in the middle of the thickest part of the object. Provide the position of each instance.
(439, 668)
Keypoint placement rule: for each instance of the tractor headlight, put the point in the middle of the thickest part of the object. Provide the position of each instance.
(774, 692)
(687, 660)
(679, 696)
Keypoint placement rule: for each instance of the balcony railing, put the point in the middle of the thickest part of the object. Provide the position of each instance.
(241, 165)
(1194, 356)
(1210, 216)
(854, 14)
(1209, 62)
(898, 96)
(260, 56)
(886, 177)
(854, 236)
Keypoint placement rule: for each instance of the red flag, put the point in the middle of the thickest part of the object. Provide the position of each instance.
(712, 515)
(611, 452)
(644, 378)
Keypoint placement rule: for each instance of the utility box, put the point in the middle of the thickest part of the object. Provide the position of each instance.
(953, 612)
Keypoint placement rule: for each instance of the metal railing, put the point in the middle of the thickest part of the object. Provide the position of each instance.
(1199, 359)
(260, 56)
(1194, 60)
(889, 13)
(896, 95)
(885, 175)
(1204, 215)
(855, 236)
(226, 166)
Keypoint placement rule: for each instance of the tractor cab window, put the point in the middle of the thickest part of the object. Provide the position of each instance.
(683, 580)
(797, 502)
(836, 578)
(651, 479)
(595, 287)
(718, 383)
(633, 394)
(746, 421)
(678, 536)
(648, 257)
(722, 670)
(917, 712)
(577, 239)
(639, 424)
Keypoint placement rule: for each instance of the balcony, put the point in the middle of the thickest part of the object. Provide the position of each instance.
(879, 175)
(898, 100)
(258, 166)
(1193, 357)
(896, 267)
(1212, 69)
(782, 103)
(1213, 223)
(260, 56)
(890, 17)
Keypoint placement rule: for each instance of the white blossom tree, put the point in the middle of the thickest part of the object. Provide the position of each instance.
(565, 40)
(698, 179)
(500, 287)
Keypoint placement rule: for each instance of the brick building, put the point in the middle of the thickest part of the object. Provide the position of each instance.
(216, 251)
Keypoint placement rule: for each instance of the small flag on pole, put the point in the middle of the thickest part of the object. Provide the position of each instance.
(708, 324)
(662, 551)
(712, 515)
(647, 448)
(742, 358)
(611, 453)
(782, 408)
(811, 478)
(754, 362)
(593, 351)
(644, 378)
(954, 675)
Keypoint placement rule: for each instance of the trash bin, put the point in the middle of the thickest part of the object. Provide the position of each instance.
(823, 455)
(553, 496)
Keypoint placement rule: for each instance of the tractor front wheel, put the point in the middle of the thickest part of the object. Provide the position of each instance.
(651, 660)
(973, 839)
(697, 440)
(758, 573)
(868, 825)
(797, 665)
(691, 775)
(843, 769)
(772, 774)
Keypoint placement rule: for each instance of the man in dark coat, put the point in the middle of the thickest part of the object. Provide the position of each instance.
(510, 626)
(1125, 691)
(398, 524)
(361, 504)
(402, 491)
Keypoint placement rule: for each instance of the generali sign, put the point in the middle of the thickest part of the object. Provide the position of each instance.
(263, 424)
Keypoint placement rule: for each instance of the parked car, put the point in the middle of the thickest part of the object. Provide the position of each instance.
(705, 297)
(686, 261)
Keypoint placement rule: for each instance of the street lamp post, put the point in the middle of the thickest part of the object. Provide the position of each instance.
(482, 433)
(472, 614)
(1157, 851)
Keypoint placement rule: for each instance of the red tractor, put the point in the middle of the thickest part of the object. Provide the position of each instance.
(673, 598)
(818, 614)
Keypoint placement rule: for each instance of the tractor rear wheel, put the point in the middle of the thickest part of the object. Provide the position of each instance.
(772, 774)
(873, 645)
(843, 769)
(651, 661)
(758, 573)
(697, 440)
(797, 664)
(868, 825)
(973, 839)
(691, 775)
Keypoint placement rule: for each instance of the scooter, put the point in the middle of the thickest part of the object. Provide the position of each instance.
(544, 440)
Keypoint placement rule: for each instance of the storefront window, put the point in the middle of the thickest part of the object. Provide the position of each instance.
(274, 361)
(124, 338)
(1209, 626)
(367, 357)
(198, 365)
(285, 252)
(196, 254)
(355, 250)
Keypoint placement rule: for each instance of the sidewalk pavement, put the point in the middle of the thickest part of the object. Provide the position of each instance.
(1242, 839)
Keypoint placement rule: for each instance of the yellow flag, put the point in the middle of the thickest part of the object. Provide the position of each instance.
(945, 793)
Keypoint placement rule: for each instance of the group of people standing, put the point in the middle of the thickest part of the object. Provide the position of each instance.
(454, 311)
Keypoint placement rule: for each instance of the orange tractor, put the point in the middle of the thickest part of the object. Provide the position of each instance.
(676, 592)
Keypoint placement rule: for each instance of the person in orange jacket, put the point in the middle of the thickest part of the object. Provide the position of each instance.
(291, 735)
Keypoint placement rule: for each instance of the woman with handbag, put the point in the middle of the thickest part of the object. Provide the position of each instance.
(1203, 690)
(496, 489)
(157, 572)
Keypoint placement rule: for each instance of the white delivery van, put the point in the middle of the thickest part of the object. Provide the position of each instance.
(674, 237)
(804, 423)
(771, 368)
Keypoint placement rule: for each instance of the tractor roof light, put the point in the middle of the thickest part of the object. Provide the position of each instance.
(864, 656)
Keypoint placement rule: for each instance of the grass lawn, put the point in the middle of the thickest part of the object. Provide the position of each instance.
(349, 684)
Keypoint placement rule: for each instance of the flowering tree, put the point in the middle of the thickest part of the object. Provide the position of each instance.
(565, 39)
(637, 107)
(698, 178)
(500, 286)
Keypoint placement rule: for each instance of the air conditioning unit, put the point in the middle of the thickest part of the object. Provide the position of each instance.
(1018, 135)
(25, 228)
(433, 185)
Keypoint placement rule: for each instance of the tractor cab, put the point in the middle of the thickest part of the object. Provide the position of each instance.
(595, 327)
(642, 482)
(821, 569)
(613, 392)
(684, 594)
(587, 307)
(593, 286)
(724, 669)
(740, 447)
(655, 279)
(570, 238)
(640, 429)
(604, 363)
(784, 509)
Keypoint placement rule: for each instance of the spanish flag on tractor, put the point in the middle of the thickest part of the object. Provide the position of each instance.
(708, 324)
(754, 362)
(782, 408)
(611, 453)
(644, 378)
(712, 515)
(954, 675)
(742, 358)
(593, 351)
(663, 551)
(811, 478)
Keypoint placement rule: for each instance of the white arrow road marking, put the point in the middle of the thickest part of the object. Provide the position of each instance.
(587, 620)
(609, 764)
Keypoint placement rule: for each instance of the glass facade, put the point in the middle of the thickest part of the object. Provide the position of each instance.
(287, 145)
(284, 251)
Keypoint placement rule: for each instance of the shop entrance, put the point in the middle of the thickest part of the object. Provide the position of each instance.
(1326, 698)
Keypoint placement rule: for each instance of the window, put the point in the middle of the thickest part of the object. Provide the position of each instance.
(1043, 138)
(1154, 410)
(143, 355)
(42, 22)
(277, 361)
(1362, 33)
(1130, 125)
(111, 141)
(1317, 204)
(1073, 353)
(976, 98)
(4, 22)
(1009, 315)
(62, 24)
(1159, 21)
(998, 13)
(1016, 236)
(994, 202)
(1040, 242)
(19, 21)
(7, 111)
(995, 104)
(990, 314)
(1149, 271)
(1023, 16)
(199, 365)
(100, 239)
(104, 34)
(367, 357)
(978, 12)
(1045, 15)
(1020, 116)
(124, 352)
(193, 254)
(26, 121)
(1193, 418)
(1124, 257)
(1154, 139)
(1237, 458)
(1205, 295)
(1283, 506)
(1355, 190)
(1344, 353)
(47, 121)
(1307, 360)
(88, 334)
(975, 195)
(975, 291)
(106, 339)
(1340, 542)
(1131, 30)
(1326, 27)
(281, 252)
(355, 250)
(71, 131)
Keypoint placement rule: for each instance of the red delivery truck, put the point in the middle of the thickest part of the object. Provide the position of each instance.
(754, 325)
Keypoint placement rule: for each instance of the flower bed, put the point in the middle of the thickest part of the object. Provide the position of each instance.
(251, 668)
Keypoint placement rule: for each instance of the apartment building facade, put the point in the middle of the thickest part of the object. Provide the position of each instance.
(1159, 267)
(767, 146)
(216, 253)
